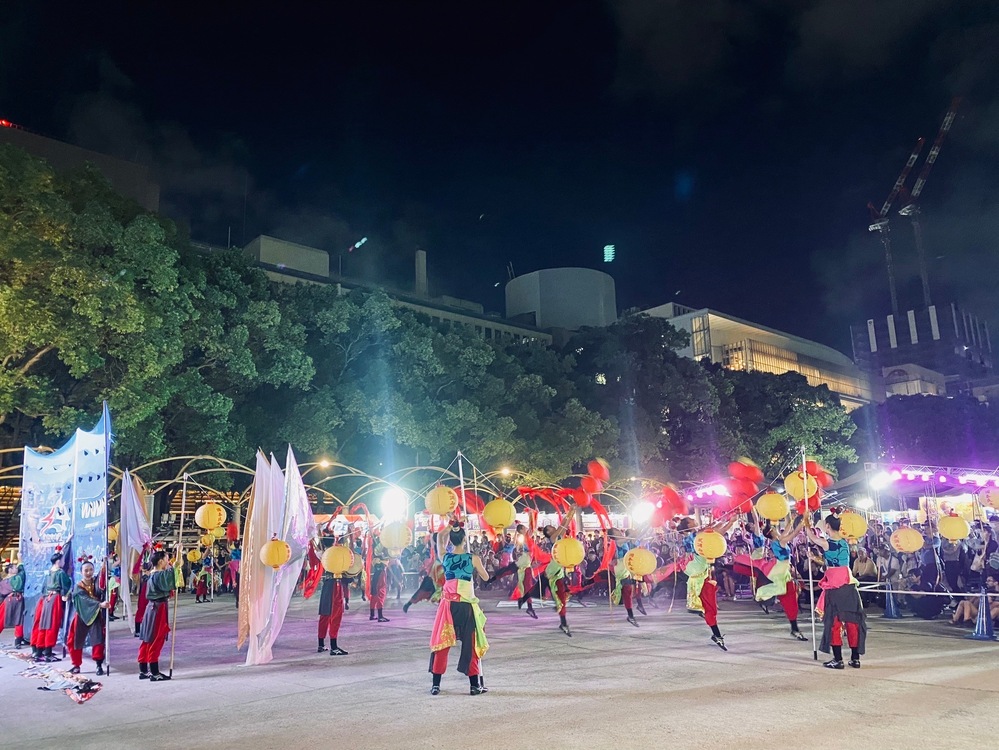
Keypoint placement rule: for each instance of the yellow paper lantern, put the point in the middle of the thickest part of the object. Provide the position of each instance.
(640, 562)
(356, 566)
(337, 560)
(852, 525)
(210, 516)
(275, 553)
(499, 513)
(800, 485)
(772, 506)
(207, 540)
(218, 532)
(710, 544)
(441, 500)
(989, 497)
(953, 528)
(568, 552)
(113, 532)
(193, 556)
(396, 535)
(907, 540)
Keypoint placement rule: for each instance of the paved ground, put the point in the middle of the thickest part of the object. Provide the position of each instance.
(610, 686)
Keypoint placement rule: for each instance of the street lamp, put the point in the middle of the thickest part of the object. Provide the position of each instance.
(350, 249)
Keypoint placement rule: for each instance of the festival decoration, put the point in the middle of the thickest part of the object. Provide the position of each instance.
(275, 553)
(218, 533)
(772, 506)
(356, 566)
(800, 485)
(210, 516)
(953, 528)
(113, 532)
(580, 498)
(988, 497)
(568, 553)
(207, 540)
(396, 535)
(193, 556)
(907, 540)
(599, 469)
(338, 560)
(232, 531)
(852, 525)
(710, 544)
(746, 468)
(640, 562)
(591, 485)
(499, 513)
(441, 500)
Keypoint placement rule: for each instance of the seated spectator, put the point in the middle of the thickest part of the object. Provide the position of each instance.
(925, 580)
(967, 608)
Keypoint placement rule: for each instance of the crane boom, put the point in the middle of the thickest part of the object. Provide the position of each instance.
(900, 182)
(931, 157)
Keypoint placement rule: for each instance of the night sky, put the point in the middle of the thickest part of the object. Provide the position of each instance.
(728, 148)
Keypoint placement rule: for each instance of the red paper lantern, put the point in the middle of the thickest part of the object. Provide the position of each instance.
(737, 470)
(591, 485)
(799, 507)
(581, 498)
(813, 468)
(824, 479)
(599, 470)
(814, 502)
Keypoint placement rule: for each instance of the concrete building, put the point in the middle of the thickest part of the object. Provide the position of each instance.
(289, 262)
(741, 345)
(562, 300)
(131, 180)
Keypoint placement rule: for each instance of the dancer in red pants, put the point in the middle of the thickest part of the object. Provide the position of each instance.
(379, 587)
(87, 626)
(331, 613)
(782, 584)
(156, 620)
(49, 610)
(839, 605)
(702, 588)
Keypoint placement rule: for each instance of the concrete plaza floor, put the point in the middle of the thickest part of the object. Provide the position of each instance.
(609, 686)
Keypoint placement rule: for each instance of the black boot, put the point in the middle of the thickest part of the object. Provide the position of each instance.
(406, 606)
(381, 617)
(335, 650)
(20, 643)
(36, 653)
(837, 661)
(322, 646)
(531, 612)
(137, 626)
(157, 675)
(641, 607)
(371, 615)
(143, 671)
(473, 685)
(631, 617)
(100, 669)
(74, 669)
(50, 657)
(854, 658)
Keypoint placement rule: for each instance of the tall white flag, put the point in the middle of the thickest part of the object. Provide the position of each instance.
(133, 535)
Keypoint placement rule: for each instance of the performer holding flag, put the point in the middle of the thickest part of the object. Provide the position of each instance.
(50, 608)
(87, 628)
(155, 621)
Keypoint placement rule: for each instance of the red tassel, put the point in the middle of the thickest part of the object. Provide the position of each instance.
(315, 574)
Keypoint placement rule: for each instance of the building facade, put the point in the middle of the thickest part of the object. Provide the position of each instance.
(740, 345)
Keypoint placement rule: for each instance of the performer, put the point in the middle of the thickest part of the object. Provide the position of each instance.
(459, 617)
(625, 585)
(156, 619)
(782, 584)
(396, 576)
(430, 585)
(331, 606)
(839, 605)
(12, 606)
(554, 578)
(201, 584)
(702, 588)
(87, 626)
(379, 587)
(49, 610)
(140, 608)
(509, 551)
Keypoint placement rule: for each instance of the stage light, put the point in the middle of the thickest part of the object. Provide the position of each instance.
(864, 503)
(395, 503)
(642, 512)
(880, 480)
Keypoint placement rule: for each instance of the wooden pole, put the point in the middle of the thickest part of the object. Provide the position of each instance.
(180, 559)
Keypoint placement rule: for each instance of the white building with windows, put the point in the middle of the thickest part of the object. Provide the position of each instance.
(740, 345)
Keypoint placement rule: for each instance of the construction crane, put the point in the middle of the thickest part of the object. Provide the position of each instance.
(880, 222)
(911, 209)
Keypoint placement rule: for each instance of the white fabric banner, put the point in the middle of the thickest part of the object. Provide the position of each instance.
(133, 535)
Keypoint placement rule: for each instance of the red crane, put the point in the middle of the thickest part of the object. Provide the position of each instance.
(912, 208)
(880, 222)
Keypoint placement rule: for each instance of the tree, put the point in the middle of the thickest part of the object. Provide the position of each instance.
(778, 414)
(932, 430)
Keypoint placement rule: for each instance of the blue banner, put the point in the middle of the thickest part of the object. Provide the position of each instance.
(64, 495)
